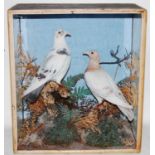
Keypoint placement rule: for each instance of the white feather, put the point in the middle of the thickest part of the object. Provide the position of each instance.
(54, 67)
(104, 88)
(58, 66)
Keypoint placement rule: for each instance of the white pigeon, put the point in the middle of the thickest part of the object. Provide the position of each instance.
(103, 87)
(55, 66)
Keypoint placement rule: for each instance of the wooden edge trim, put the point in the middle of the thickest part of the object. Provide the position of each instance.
(141, 80)
(13, 82)
(78, 11)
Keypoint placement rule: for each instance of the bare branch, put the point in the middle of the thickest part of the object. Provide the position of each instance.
(118, 60)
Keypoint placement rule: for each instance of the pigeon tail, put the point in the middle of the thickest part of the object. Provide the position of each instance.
(127, 112)
(32, 97)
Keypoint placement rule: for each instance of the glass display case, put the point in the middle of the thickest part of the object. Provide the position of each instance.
(64, 102)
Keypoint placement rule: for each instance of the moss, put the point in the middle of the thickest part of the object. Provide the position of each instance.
(109, 135)
(61, 133)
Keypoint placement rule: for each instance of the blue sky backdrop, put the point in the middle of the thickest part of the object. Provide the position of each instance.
(101, 33)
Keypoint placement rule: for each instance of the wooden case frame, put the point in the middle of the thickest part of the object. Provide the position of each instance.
(77, 9)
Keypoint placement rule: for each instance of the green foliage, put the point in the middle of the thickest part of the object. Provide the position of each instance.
(77, 93)
(109, 135)
(71, 81)
(80, 93)
(61, 133)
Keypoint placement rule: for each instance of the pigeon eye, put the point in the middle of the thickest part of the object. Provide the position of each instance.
(92, 52)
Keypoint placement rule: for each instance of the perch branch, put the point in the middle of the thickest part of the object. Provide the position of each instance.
(118, 60)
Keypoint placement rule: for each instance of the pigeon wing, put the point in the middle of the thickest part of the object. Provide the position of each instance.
(102, 86)
(46, 73)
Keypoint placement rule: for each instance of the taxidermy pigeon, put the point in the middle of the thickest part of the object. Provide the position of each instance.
(55, 66)
(103, 87)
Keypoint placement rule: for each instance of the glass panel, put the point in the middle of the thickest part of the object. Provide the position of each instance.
(116, 37)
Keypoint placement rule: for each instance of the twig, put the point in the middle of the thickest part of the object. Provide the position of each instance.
(118, 60)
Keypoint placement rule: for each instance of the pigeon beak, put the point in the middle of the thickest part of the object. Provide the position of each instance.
(68, 35)
(85, 54)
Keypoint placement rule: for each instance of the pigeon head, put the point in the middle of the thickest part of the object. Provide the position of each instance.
(93, 55)
(62, 34)
(60, 41)
(94, 60)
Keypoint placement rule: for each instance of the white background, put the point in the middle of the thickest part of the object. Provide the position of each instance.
(7, 105)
